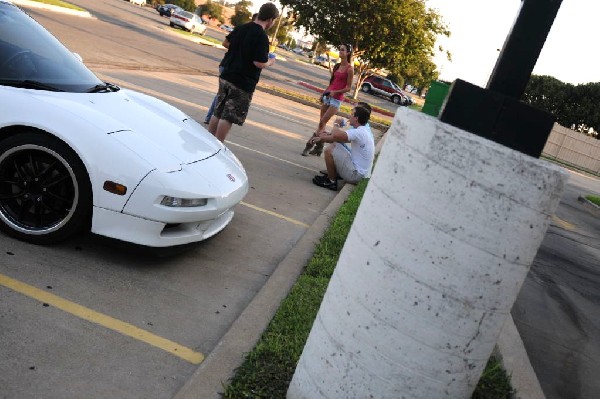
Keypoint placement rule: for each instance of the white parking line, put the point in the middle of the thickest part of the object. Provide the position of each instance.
(271, 156)
(260, 125)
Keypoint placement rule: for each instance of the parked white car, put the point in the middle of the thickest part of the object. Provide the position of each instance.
(188, 21)
(77, 153)
(138, 2)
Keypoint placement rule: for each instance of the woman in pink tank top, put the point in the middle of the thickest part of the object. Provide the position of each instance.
(333, 96)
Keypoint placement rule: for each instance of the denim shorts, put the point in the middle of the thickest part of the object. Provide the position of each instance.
(332, 102)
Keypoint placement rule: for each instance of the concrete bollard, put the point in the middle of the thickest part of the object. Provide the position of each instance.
(437, 254)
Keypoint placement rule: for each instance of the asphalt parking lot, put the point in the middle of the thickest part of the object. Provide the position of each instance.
(97, 317)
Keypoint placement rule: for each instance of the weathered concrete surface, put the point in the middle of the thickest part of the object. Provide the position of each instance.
(438, 252)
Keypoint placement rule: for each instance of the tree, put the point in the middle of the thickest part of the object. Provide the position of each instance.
(396, 35)
(188, 5)
(281, 29)
(213, 10)
(572, 106)
(242, 13)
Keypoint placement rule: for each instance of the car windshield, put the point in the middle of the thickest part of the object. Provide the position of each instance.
(30, 57)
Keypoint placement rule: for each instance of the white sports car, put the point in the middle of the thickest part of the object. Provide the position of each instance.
(78, 153)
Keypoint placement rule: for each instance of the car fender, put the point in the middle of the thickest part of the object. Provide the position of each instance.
(104, 158)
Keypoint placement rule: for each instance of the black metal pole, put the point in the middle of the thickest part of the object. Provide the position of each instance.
(522, 47)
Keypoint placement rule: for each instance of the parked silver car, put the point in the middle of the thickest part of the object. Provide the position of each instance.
(188, 21)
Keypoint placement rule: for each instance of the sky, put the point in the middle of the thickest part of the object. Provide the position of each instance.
(479, 28)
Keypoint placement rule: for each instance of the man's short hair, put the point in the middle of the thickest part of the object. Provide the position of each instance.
(362, 114)
(268, 11)
(364, 105)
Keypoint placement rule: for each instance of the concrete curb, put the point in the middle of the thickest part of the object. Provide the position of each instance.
(221, 364)
(589, 205)
(268, 90)
(515, 362)
(49, 7)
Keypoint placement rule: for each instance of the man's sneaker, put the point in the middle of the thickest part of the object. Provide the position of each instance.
(323, 181)
(324, 172)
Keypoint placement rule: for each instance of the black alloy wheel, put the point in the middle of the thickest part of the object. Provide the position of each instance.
(45, 193)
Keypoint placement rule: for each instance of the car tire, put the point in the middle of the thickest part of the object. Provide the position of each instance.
(45, 191)
(366, 88)
(171, 24)
(396, 99)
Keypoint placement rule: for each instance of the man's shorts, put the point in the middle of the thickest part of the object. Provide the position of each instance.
(232, 103)
(344, 165)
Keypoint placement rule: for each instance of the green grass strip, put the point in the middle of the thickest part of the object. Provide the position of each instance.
(60, 3)
(593, 198)
(268, 369)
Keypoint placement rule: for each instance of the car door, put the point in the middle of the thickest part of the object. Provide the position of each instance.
(378, 87)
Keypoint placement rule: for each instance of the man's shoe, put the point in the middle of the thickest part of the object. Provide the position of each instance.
(324, 172)
(323, 181)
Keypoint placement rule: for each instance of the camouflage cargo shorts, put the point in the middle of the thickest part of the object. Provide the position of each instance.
(232, 103)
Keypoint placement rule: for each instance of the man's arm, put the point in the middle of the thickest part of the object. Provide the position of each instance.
(262, 65)
(336, 135)
(225, 43)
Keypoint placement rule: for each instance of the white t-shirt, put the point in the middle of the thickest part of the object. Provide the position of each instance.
(362, 149)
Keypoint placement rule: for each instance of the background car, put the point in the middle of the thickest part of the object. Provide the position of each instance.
(227, 28)
(187, 21)
(166, 10)
(324, 61)
(138, 2)
(386, 88)
(77, 153)
(298, 50)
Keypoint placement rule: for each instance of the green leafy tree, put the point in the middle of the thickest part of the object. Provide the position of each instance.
(396, 35)
(242, 13)
(279, 32)
(213, 10)
(573, 106)
(188, 5)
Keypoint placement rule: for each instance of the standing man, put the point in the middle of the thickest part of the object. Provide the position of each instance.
(247, 55)
(351, 164)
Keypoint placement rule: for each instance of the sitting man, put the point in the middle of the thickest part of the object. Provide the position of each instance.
(351, 164)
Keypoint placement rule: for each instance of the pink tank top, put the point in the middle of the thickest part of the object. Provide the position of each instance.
(340, 80)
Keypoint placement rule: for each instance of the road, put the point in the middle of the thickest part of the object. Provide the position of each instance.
(191, 297)
(558, 310)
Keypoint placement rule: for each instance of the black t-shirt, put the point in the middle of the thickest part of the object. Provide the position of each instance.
(247, 43)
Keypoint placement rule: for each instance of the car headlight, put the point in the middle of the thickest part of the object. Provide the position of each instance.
(175, 202)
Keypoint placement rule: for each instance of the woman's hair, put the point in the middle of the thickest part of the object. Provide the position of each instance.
(337, 66)
(349, 51)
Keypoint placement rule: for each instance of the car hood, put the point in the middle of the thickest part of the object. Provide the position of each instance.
(153, 129)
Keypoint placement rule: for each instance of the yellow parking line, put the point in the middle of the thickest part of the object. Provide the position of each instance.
(106, 321)
(277, 215)
(565, 225)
